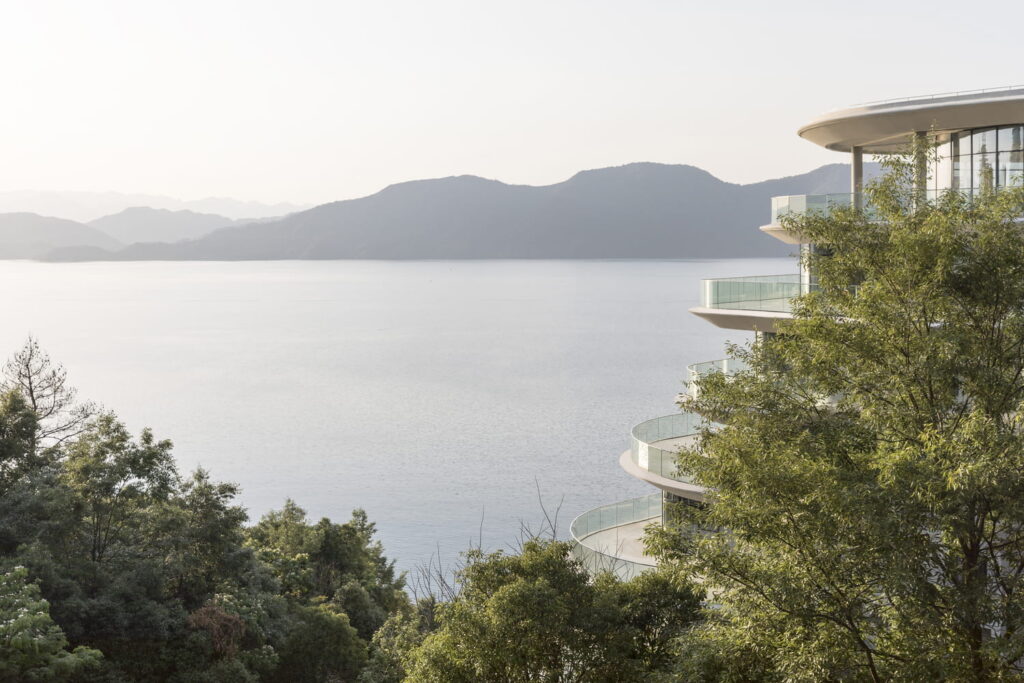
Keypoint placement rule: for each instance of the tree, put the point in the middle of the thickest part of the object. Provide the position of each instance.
(322, 646)
(340, 563)
(18, 425)
(537, 616)
(44, 385)
(116, 478)
(32, 647)
(868, 477)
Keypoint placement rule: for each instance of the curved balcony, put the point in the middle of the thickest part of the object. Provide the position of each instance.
(802, 204)
(652, 455)
(750, 303)
(727, 366)
(610, 538)
(825, 204)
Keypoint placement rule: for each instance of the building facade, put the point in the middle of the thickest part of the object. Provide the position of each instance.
(979, 137)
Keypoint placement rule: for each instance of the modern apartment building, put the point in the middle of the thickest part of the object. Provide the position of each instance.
(980, 138)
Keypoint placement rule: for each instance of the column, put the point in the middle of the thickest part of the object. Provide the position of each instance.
(857, 175)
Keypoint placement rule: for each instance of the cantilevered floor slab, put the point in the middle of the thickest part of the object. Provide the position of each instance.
(736, 319)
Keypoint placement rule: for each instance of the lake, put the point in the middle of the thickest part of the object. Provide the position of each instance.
(436, 395)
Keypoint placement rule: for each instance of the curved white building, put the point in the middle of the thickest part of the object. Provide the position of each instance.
(980, 136)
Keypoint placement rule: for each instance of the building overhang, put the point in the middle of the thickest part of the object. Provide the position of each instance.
(734, 319)
(782, 234)
(885, 127)
(679, 488)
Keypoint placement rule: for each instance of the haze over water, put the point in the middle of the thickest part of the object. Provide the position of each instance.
(430, 393)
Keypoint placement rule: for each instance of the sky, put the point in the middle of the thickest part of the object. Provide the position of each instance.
(309, 101)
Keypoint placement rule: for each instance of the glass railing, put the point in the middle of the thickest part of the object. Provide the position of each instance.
(825, 204)
(754, 293)
(728, 366)
(600, 547)
(800, 204)
(662, 461)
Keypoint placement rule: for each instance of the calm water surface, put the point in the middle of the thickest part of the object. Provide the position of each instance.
(432, 394)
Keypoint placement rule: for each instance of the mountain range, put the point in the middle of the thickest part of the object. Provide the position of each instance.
(641, 210)
(88, 206)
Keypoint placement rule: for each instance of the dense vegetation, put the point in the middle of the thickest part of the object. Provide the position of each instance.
(116, 567)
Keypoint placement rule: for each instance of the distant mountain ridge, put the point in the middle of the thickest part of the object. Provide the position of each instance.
(146, 224)
(641, 210)
(88, 206)
(29, 236)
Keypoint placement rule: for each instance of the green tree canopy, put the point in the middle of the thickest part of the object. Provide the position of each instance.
(867, 480)
(537, 616)
(32, 646)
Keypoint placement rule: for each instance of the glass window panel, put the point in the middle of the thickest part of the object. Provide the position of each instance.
(984, 140)
(1011, 137)
(1010, 172)
(962, 172)
(960, 144)
(983, 171)
(943, 173)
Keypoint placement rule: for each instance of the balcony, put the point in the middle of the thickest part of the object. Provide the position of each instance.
(801, 204)
(652, 454)
(727, 366)
(610, 538)
(749, 303)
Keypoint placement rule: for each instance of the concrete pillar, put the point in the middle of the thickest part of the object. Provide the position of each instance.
(857, 175)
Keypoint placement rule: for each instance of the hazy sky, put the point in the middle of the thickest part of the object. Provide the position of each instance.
(309, 101)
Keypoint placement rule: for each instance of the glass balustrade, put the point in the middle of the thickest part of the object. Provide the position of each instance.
(654, 444)
(728, 366)
(824, 204)
(753, 293)
(603, 539)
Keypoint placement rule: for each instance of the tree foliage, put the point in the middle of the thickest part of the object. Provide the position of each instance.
(537, 616)
(107, 549)
(32, 646)
(868, 478)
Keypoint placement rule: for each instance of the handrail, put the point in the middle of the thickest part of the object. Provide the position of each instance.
(756, 292)
(605, 517)
(662, 461)
(727, 366)
(937, 96)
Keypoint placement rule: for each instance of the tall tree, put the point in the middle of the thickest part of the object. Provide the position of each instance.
(869, 477)
(44, 384)
(116, 478)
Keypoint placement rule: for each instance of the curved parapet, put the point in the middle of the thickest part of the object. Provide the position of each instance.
(751, 303)
(610, 538)
(885, 127)
(654, 446)
(727, 366)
